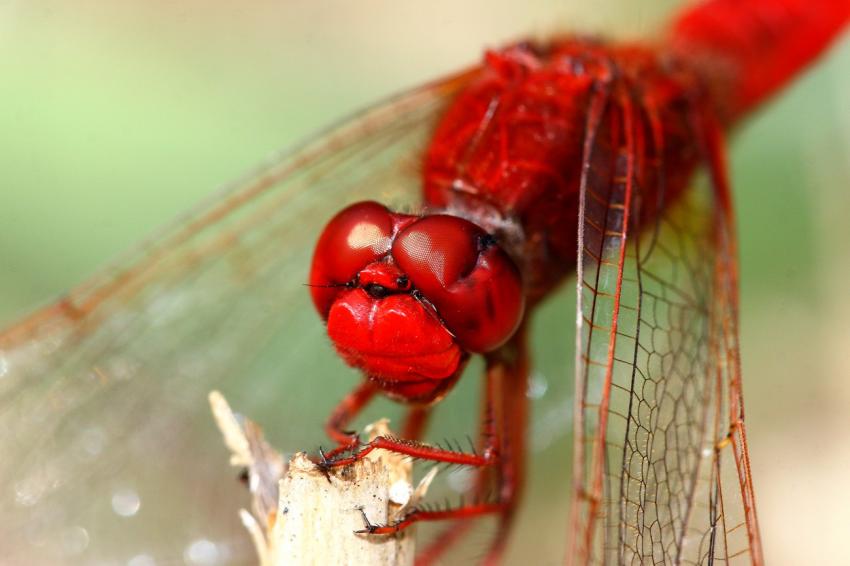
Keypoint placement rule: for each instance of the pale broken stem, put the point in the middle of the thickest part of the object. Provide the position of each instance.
(302, 517)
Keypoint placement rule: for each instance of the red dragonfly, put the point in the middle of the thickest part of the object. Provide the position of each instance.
(542, 150)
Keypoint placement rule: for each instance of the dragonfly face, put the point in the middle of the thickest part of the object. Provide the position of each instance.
(407, 299)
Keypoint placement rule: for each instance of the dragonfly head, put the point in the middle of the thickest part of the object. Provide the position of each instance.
(408, 298)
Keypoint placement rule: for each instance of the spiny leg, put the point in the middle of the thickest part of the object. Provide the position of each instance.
(512, 419)
(502, 442)
(506, 408)
(487, 457)
(484, 480)
(353, 403)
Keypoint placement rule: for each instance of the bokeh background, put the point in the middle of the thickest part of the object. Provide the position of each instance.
(118, 116)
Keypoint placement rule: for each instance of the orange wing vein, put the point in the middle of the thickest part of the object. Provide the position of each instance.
(661, 467)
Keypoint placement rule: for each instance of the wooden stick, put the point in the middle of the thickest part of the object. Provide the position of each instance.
(302, 517)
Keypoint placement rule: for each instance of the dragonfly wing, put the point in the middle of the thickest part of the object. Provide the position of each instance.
(105, 430)
(661, 466)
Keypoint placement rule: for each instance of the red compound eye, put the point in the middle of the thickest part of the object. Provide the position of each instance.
(354, 238)
(472, 283)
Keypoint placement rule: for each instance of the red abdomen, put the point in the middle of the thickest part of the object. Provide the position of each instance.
(749, 50)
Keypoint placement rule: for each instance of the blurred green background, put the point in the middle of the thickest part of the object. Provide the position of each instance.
(118, 116)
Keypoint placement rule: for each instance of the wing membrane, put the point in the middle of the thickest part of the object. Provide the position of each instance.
(661, 468)
(104, 427)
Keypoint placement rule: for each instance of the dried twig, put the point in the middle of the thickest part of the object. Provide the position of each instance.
(299, 516)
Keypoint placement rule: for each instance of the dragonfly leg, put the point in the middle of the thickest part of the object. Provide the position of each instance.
(507, 371)
(487, 456)
(350, 407)
(419, 515)
(504, 418)
(344, 413)
(413, 449)
(512, 419)
(416, 422)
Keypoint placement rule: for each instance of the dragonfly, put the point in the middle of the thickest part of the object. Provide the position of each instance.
(661, 463)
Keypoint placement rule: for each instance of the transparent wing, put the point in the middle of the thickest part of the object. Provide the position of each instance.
(661, 466)
(105, 432)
